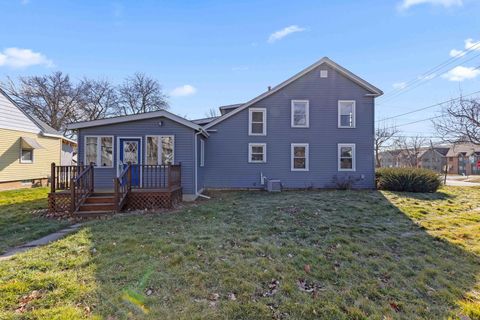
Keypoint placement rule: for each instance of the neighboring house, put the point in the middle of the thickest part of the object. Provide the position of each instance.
(433, 158)
(393, 159)
(463, 159)
(28, 146)
(309, 130)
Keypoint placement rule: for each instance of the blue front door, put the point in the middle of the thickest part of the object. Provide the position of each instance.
(130, 152)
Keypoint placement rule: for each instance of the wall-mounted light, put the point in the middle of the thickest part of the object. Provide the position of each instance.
(160, 123)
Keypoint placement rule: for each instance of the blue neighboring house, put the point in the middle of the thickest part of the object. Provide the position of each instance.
(313, 130)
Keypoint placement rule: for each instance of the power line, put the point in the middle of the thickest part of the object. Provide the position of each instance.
(429, 72)
(417, 121)
(404, 90)
(428, 107)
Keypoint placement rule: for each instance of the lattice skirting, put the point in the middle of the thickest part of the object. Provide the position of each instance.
(59, 202)
(151, 200)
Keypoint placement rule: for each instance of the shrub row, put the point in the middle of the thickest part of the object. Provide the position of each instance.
(407, 179)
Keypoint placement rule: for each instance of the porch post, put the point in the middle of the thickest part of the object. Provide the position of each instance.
(92, 186)
(52, 177)
(72, 195)
(129, 176)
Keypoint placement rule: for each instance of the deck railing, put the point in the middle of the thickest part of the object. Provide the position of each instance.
(61, 176)
(122, 186)
(156, 176)
(81, 187)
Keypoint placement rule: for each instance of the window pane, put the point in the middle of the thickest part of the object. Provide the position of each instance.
(167, 150)
(346, 108)
(346, 120)
(299, 163)
(257, 116)
(300, 114)
(152, 150)
(346, 152)
(346, 163)
(27, 155)
(299, 152)
(257, 149)
(107, 151)
(257, 156)
(257, 127)
(91, 150)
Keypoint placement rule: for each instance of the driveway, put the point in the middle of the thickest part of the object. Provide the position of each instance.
(460, 183)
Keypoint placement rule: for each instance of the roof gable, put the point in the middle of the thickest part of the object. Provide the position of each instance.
(325, 60)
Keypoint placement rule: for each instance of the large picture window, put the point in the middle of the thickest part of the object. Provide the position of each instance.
(257, 121)
(99, 151)
(299, 157)
(300, 114)
(346, 157)
(160, 150)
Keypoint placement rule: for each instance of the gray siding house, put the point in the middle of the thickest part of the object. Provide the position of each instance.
(310, 131)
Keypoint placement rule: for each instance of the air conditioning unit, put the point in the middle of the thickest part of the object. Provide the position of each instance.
(274, 185)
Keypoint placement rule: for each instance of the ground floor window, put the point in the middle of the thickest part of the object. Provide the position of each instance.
(257, 152)
(160, 150)
(299, 156)
(346, 157)
(99, 151)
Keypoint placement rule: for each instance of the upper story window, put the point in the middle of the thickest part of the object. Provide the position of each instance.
(99, 151)
(346, 157)
(160, 150)
(257, 122)
(300, 114)
(346, 114)
(299, 157)
(257, 152)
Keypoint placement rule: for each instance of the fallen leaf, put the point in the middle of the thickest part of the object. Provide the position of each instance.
(307, 268)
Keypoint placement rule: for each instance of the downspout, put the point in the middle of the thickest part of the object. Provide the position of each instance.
(196, 169)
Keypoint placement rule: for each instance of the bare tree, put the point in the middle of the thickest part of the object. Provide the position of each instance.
(53, 98)
(140, 93)
(460, 121)
(99, 100)
(411, 147)
(384, 137)
(212, 113)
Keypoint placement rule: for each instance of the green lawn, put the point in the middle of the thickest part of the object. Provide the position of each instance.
(20, 220)
(255, 255)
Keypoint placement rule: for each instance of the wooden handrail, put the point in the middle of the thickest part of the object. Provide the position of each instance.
(81, 187)
(122, 186)
(156, 176)
(61, 176)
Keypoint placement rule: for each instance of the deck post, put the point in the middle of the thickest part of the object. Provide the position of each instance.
(72, 195)
(129, 177)
(92, 188)
(52, 177)
(116, 191)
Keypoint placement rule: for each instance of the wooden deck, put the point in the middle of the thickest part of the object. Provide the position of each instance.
(73, 190)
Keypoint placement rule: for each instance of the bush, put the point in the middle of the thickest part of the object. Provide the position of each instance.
(407, 179)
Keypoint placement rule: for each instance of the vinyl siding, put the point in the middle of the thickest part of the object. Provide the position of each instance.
(14, 119)
(10, 167)
(201, 170)
(183, 153)
(227, 149)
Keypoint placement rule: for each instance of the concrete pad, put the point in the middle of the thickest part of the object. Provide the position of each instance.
(41, 242)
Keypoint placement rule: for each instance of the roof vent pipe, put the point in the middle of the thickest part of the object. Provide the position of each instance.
(269, 88)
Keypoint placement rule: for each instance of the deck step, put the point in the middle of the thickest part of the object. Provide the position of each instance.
(100, 199)
(97, 206)
(93, 214)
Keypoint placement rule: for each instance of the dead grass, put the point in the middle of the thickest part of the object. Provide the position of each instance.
(254, 255)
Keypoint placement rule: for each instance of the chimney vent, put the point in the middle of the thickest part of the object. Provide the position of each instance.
(269, 88)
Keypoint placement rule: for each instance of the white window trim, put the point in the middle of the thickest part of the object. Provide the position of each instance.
(99, 150)
(307, 113)
(202, 152)
(354, 122)
(250, 146)
(307, 156)
(27, 161)
(264, 119)
(159, 147)
(354, 156)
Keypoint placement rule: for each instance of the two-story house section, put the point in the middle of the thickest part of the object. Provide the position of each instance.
(309, 130)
